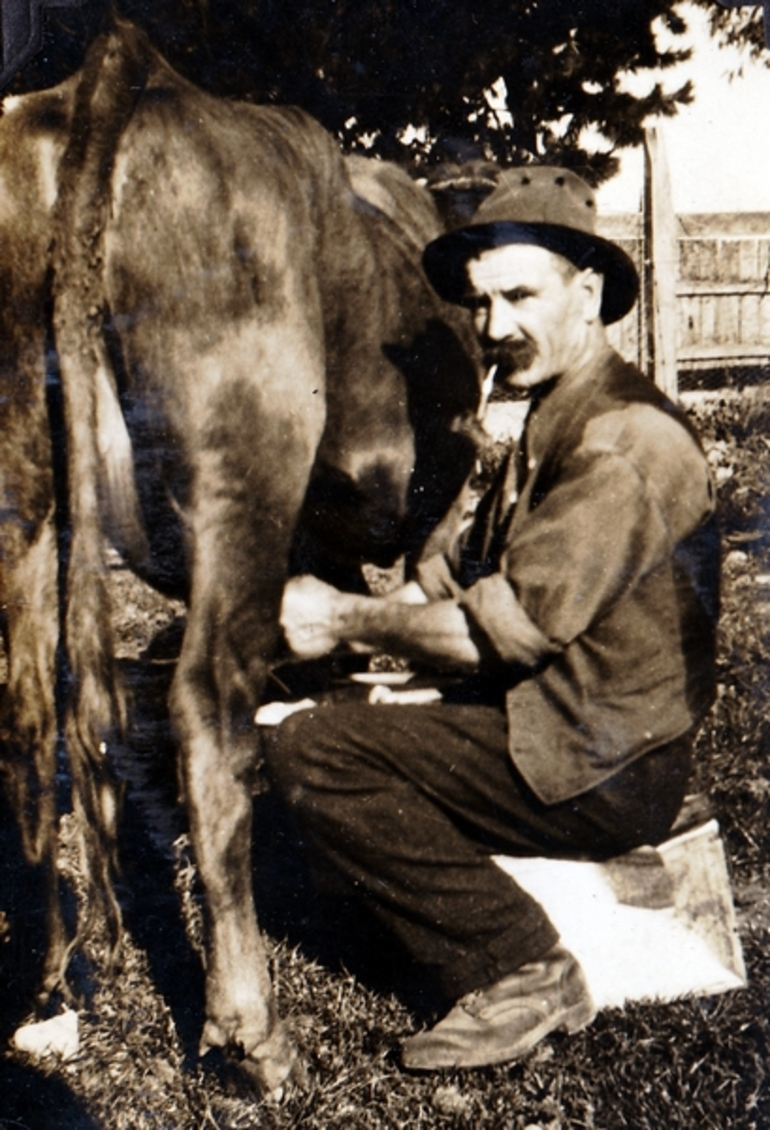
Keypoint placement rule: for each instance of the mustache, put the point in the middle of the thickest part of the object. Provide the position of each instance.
(510, 356)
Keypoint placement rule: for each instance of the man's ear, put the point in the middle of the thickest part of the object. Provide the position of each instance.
(591, 285)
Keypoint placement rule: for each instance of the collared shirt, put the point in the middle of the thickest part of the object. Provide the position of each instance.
(598, 587)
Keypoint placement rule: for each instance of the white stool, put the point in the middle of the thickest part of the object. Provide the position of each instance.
(656, 924)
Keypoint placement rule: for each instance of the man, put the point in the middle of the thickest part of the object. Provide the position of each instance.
(581, 604)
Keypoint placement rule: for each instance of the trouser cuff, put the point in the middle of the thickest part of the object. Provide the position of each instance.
(503, 955)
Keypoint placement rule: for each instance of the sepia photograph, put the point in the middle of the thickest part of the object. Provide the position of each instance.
(384, 565)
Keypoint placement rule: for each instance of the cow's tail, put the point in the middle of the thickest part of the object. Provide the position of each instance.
(114, 75)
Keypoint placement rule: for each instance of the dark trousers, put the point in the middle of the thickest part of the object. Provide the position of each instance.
(409, 802)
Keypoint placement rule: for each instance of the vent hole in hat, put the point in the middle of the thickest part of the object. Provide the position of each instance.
(559, 181)
(525, 180)
(590, 203)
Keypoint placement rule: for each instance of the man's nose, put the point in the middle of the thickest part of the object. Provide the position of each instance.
(501, 320)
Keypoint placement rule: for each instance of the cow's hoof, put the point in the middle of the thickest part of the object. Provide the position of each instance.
(273, 1066)
(270, 1066)
(272, 1077)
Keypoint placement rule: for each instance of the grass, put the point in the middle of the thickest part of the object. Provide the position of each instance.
(695, 1063)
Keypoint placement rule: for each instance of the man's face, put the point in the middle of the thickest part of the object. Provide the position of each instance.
(531, 311)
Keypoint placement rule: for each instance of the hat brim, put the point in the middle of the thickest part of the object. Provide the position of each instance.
(445, 259)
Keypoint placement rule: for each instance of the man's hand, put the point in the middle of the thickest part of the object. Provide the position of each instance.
(316, 617)
(309, 616)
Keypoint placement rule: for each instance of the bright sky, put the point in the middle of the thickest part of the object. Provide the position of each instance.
(718, 148)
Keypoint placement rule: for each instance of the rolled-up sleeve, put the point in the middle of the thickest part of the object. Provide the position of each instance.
(493, 606)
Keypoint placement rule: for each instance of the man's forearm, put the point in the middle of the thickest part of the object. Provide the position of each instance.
(435, 633)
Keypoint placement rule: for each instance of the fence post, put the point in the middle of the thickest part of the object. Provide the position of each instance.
(660, 265)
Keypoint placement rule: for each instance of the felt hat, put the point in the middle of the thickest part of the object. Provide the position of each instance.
(552, 208)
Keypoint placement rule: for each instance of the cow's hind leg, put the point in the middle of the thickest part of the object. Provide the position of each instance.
(250, 478)
(31, 620)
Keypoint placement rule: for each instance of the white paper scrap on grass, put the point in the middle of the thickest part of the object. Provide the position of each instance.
(633, 952)
(58, 1036)
(273, 713)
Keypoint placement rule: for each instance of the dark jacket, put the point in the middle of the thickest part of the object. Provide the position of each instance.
(597, 586)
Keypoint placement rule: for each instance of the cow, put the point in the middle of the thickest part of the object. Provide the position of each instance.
(219, 337)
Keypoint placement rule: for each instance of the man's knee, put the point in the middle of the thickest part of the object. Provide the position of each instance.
(285, 748)
(331, 750)
(306, 751)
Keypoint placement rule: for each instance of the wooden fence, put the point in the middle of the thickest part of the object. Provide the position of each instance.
(723, 290)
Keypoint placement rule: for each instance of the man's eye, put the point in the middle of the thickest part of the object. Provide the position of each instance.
(475, 302)
(517, 295)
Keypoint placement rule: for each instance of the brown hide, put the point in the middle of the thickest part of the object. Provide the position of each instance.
(33, 135)
(255, 377)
